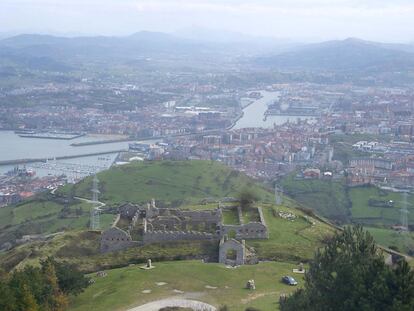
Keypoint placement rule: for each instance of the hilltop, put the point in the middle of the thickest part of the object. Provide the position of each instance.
(172, 182)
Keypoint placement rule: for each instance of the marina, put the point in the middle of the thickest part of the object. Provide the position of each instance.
(56, 157)
(51, 135)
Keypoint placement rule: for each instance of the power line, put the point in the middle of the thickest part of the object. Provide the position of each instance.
(95, 212)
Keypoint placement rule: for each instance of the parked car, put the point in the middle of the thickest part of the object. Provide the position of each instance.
(289, 280)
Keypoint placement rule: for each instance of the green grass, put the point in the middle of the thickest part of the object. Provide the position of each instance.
(230, 217)
(250, 215)
(43, 216)
(327, 198)
(174, 182)
(290, 240)
(351, 205)
(122, 288)
(362, 212)
(39, 209)
(391, 238)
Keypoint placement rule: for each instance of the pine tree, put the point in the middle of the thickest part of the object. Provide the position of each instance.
(27, 300)
(7, 297)
(350, 274)
(55, 299)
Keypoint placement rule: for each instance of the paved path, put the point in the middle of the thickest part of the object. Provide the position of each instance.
(175, 302)
(101, 204)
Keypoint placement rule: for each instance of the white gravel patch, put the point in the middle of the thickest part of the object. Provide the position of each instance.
(160, 283)
(174, 302)
(210, 287)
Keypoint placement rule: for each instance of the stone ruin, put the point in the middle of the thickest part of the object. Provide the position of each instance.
(137, 225)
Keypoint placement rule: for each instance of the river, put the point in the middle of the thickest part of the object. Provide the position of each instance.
(253, 115)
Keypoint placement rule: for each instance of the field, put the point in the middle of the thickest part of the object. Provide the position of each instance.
(174, 183)
(389, 237)
(290, 240)
(212, 283)
(335, 201)
(327, 198)
(361, 210)
(44, 215)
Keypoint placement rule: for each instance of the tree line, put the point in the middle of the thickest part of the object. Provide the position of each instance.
(44, 288)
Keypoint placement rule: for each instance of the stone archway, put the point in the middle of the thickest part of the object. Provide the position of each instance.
(236, 249)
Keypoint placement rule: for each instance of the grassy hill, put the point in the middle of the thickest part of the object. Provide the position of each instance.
(172, 183)
(212, 283)
(167, 181)
(45, 214)
(289, 241)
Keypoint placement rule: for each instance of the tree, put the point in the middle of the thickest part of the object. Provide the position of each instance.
(247, 197)
(350, 274)
(27, 300)
(70, 279)
(55, 300)
(7, 297)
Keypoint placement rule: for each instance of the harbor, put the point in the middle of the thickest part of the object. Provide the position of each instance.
(49, 135)
(50, 157)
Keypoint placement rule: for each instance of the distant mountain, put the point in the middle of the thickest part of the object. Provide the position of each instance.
(346, 55)
(100, 45)
(240, 42)
(64, 52)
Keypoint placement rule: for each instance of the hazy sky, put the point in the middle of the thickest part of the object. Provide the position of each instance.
(385, 20)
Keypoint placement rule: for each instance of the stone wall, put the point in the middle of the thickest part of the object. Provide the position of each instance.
(251, 230)
(163, 236)
(115, 239)
(261, 217)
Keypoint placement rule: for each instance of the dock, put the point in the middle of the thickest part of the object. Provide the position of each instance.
(23, 161)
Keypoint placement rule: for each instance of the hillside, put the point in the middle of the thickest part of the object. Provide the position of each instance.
(347, 55)
(294, 235)
(350, 205)
(292, 241)
(44, 215)
(212, 283)
(170, 182)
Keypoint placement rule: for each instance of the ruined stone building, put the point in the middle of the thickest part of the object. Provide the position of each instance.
(138, 225)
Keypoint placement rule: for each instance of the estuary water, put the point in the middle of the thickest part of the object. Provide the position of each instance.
(253, 115)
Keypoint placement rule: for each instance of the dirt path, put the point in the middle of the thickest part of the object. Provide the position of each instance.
(175, 302)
